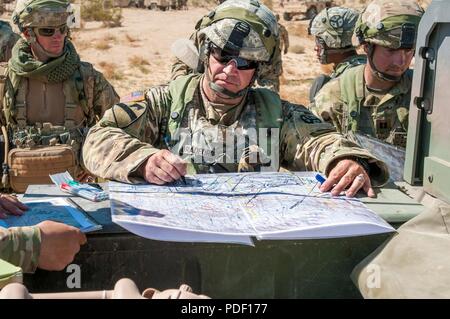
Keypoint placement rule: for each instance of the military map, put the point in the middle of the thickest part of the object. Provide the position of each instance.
(238, 207)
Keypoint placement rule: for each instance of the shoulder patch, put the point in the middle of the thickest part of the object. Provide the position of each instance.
(310, 119)
(137, 96)
(127, 114)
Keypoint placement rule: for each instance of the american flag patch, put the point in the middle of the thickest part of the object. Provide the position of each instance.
(136, 96)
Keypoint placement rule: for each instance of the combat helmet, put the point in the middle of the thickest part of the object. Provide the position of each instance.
(42, 13)
(333, 28)
(30, 14)
(245, 29)
(391, 24)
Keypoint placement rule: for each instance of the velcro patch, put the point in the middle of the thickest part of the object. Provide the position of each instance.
(127, 114)
(136, 96)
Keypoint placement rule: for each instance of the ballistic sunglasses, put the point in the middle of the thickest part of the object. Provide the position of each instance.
(49, 32)
(224, 58)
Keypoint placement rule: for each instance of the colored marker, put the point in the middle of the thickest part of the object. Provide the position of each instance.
(320, 179)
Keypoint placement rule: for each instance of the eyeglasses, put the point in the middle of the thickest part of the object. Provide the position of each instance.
(49, 32)
(224, 58)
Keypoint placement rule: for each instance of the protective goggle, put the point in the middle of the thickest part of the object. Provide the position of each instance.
(224, 57)
(49, 32)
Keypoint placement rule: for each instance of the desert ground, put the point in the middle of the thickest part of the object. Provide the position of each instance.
(137, 54)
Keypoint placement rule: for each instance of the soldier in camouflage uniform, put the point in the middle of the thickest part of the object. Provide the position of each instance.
(269, 73)
(284, 36)
(48, 96)
(7, 39)
(45, 82)
(218, 123)
(333, 30)
(374, 98)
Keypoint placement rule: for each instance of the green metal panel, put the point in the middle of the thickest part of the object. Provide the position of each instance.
(271, 269)
(437, 174)
(393, 205)
(428, 154)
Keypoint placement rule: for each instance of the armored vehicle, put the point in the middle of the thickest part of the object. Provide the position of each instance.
(306, 9)
(162, 5)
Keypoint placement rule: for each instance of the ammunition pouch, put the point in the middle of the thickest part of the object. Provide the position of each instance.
(39, 152)
(28, 166)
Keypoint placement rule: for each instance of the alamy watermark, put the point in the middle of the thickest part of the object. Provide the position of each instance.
(226, 145)
(73, 281)
(373, 280)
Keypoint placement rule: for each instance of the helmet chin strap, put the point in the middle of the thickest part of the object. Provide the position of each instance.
(380, 75)
(323, 56)
(41, 53)
(223, 91)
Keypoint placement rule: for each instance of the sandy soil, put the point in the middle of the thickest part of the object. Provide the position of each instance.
(136, 55)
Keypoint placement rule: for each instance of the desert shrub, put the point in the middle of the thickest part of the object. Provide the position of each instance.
(101, 10)
(298, 49)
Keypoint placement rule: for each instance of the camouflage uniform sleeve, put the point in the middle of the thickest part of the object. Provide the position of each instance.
(8, 39)
(123, 139)
(269, 74)
(105, 95)
(328, 105)
(284, 38)
(21, 246)
(179, 68)
(309, 144)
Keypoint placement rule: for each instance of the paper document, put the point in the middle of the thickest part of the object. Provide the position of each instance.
(393, 156)
(55, 209)
(235, 207)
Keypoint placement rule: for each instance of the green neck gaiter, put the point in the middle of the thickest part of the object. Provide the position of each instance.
(24, 64)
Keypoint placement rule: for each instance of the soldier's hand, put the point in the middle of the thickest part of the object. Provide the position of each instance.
(10, 205)
(59, 245)
(163, 167)
(285, 51)
(348, 174)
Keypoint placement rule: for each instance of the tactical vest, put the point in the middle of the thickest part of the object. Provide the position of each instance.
(268, 113)
(323, 79)
(42, 149)
(387, 124)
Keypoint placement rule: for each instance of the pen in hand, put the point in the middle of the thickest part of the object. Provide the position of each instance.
(166, 143)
